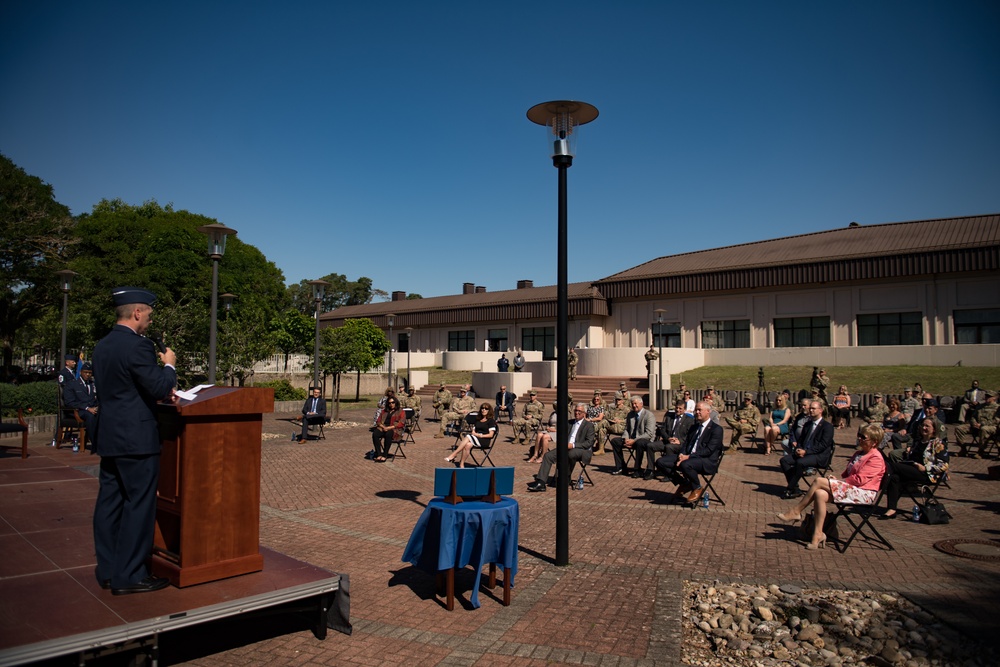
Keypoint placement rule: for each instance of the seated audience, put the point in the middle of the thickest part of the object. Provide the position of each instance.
(531, 416)
(700, 455)
(580, 445)
(461, 407)
(840, 409)
(505, 402)
(983, 425)
(389, 425)
(813, 450)
(80, 394)
(777, 429)
(441, 401)
(613, 424)
(923, 462)
(894, 422)
(313, 412)
(640, 427)
(670, 437)
(859, 485)
(973, 399)
(744, 422)
(876, 412)
(412, 401)
(688, 404)
(484, 429)
(910, 402)
(544, 438)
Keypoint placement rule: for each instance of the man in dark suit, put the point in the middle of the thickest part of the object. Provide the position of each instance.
(505, 402)
(313, 412)
(670, 437)
(80, 394)
(131, 382)
(640, 430)
(701, 455)
(812, 449)
(581, 446)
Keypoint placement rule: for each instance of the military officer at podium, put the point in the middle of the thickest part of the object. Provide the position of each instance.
(131, 382)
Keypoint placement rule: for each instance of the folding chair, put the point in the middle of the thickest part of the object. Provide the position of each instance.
(921, 494)
(485, 451)
(70, 425)
(706, 482)
(412, 425)
(586, 475)
(859, 517)
(20, 427)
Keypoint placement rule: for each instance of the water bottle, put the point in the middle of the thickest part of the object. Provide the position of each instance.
(916, 514)
(705, 500)
(579, 482)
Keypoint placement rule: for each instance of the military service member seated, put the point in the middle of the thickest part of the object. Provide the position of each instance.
(744, 422)
(460, 409)
(531, 416)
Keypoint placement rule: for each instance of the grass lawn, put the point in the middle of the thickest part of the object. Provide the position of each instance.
(939, 380)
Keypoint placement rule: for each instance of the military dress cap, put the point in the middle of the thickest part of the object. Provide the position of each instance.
(70, 357)
(931, 402)
(124, 296)
(87, 366)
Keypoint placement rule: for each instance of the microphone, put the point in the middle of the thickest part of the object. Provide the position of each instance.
(158, 341)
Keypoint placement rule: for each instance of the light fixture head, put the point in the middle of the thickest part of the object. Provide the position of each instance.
(561, 118)
(217, 233)
(318, 288)
(390, 318)
(227, 301)
(65, 279)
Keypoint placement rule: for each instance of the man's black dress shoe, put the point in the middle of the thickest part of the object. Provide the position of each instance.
(792, 493)
(649, 475)
(106, 584)
(536, 486)
(617, 471)
(147, 585)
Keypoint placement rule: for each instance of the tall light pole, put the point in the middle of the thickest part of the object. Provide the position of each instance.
(391, 319)
(561, 119)
(217, 234)
(65, 283)
(319, 289)
(661, 396)
(409, 338)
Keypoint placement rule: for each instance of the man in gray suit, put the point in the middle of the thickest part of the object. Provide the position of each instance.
(640, 430)
(581, 445)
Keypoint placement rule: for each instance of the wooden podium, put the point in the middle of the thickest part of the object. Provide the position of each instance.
(208, 498)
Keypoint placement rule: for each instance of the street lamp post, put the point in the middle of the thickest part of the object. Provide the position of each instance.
(318, 288)
(661, 394)
(391, 319)
(561, 119)
(217, 234)
(65, 283)
(409, 336)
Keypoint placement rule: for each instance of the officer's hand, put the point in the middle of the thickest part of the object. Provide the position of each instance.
(169, 358)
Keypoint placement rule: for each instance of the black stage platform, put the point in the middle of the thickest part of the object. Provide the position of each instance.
(52, 606)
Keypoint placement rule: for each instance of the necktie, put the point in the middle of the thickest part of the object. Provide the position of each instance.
(313, 409)
(697, 438)
(635, 424)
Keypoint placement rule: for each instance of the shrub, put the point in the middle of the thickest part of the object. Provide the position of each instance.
(283, 390)
(35, 398)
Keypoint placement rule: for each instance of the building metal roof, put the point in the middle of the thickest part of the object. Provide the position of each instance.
(857, 252)
(517, 304)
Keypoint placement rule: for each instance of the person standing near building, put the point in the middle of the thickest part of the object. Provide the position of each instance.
(131, 382)
(572, 359)
(503, 364)
(518, 362)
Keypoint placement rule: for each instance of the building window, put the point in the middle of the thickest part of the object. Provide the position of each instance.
(498, 340)
(404, 342)
(725, 334)
(461, 341)
(540, 339)
(666, 335)
(802, 332)
(891, 329)
(977, 326)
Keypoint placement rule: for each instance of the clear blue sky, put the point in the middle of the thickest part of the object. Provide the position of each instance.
(389, 139)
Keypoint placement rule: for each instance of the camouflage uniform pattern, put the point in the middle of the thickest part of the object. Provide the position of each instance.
(441, 402)
(530, 417)
(459, 409)
(572, 359)
(876, 413)
(614, 423)
(987, 421)
(752, 415)
(411, 402)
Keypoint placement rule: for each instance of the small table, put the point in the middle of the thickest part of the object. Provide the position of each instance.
(470, 533)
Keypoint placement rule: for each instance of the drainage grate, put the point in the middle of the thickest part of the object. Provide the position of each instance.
(975, 549)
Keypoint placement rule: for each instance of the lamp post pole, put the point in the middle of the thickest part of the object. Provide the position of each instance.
(661, 394)
(217, 234)
(318, 288)
(561, 118)
(391, 318)
(65, 283)
(409, 337)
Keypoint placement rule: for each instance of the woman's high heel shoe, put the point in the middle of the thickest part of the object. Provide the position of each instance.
(822, 543)
(790, 517)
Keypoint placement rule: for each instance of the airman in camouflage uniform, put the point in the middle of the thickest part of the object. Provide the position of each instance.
(744, 422)
(614, 423)
(441, 401)
(984, 424)
(910, 403)
(411, 400)
(530, 417)
(877, 411)
(460, 407)
(651, 356)
(718, 403)
(572, 360)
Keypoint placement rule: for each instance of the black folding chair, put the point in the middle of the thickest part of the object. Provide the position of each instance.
(486, 446)
(20, 427)
(859, 515)
(706, 482)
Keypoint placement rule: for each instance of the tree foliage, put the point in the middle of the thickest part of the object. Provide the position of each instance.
(292, 332)
(36, 232)
(340, 292)
(244, 339)
(358, 345)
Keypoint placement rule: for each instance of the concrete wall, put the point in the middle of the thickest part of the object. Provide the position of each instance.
(880, 355)
(481, 361)
(486, 384)
(631, 361)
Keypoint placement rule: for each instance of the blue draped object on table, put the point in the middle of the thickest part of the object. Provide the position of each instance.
(470, 533)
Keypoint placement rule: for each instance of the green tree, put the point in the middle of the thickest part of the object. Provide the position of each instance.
(357, 345)
(413, 295)
(292, 332)
(340, 292)
(35, 233)
(244, 339)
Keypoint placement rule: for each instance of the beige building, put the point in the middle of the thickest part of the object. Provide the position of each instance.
(912, 292)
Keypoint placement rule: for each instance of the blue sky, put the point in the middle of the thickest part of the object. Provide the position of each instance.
(390, 140)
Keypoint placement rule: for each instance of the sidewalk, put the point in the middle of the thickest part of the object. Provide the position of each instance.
(620, 601)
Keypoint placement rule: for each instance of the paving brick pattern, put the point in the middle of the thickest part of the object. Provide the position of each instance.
(619, 602)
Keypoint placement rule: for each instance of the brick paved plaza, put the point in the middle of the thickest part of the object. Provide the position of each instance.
(619, 602)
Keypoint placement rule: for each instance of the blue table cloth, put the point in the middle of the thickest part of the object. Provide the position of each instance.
(470, 533)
